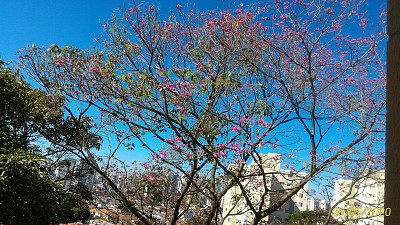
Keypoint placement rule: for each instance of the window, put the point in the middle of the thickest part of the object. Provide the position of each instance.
(301, 195)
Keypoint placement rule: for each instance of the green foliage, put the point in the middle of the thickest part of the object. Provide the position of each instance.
(310, 218)
(27, 194)
(24, 112)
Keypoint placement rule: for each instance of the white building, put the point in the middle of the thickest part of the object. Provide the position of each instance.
(87, 175)
(235, 209)
(362, 199)
(315, 204)
(64, 173)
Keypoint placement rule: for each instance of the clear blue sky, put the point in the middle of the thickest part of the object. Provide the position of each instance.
(73, 22)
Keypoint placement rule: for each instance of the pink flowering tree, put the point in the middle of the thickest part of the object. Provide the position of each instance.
(217, 90)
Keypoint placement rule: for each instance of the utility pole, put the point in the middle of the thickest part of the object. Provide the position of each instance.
(392, 179)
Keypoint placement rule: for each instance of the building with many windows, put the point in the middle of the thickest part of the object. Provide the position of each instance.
(277, 180)
(65, 172)
(316, 204)
(361, 199)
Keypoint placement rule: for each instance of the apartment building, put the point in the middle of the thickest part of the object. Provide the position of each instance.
(64, 173)
(277, 180)
(315, 204)
(361, 199)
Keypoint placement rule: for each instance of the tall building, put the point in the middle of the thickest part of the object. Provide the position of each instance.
(362, 199)
(315, 204)
(87, 175)
(279, 181)
(64, 173)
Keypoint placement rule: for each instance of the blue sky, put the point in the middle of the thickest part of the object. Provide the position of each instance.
(44, 22)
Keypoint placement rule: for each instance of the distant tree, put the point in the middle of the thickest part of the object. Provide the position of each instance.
(310, 218)
(202, 91)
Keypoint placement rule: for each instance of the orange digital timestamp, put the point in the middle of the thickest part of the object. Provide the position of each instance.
(350, 213)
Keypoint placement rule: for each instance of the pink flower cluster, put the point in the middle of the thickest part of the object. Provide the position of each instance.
(221, 146)
(363, 22)
(370, 157)
(183, 89)
(151, 177)
(244, 120)
(263, 123)
(162, 154)
(95, 70)
(236, 149)
(220, 154)
(61, 62)
(235, 129)
(173, 141)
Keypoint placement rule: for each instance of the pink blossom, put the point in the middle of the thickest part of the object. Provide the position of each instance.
(329, 11)
(239, 11)
(342, 55)
(145, 165)
(284, 17)
(60, 63)
(249, 15)
(169, 141)
(176, 147)
(151, 8)
(155, 155)
(221, 146)
(363, 22)
(133, 9)
(235, 129)
(220, 154)
(176, 70)
(178, 7)
(95, 70)
(189, 44)
(316, 155)
(163, 154)
(236, 149)
(263, 123)
(178, 139)
(243, 120)
(151, 177)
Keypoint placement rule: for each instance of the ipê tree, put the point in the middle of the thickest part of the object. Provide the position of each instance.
(300, 78)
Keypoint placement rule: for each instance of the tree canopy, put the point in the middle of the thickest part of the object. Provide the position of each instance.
(219, 89)
(27, 194)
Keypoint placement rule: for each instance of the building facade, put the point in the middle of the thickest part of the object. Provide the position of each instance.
(360, 201)
(278, 183)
